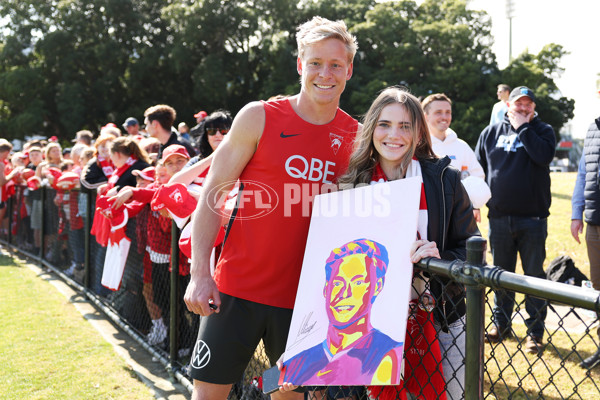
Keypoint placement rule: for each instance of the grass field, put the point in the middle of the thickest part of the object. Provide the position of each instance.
(49, 351)
(556, 375)
(559, 240)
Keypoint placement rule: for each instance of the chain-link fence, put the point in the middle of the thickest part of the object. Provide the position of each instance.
(475, 357)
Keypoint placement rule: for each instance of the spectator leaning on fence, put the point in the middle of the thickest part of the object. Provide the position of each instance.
(515, 156)
(249, 273)
(394, 144)
(586, 198)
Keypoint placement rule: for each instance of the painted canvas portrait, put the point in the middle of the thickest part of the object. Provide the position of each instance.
(349, 320)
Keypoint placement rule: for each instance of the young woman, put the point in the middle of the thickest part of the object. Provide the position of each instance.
(127, 156)
(394, 144)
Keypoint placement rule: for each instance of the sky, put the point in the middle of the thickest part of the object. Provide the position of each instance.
(574, 25)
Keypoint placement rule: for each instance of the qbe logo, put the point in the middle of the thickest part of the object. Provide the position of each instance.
(201, 355)
(256, 199)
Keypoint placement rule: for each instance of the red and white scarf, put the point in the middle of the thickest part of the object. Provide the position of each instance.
(120, 171)
(106, 166)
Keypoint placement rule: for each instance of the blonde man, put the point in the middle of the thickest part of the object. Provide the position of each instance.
(285, 144)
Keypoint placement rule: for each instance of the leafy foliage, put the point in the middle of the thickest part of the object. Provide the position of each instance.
(72, 64)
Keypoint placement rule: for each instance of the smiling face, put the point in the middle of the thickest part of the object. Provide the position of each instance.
(324, 69)
(439, 117)
(349, 290)
(524, 106)
(174, 164)
(392, 136)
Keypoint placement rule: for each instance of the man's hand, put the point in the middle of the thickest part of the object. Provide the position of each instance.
(517, 119)
(121, 198)
(576, 229)
(202, 296)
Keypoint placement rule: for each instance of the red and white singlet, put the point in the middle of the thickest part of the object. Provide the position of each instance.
(294, 161)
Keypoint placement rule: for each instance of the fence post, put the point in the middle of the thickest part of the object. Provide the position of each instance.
(476, 248)
(9, 210)
(87, 220)
(174, 319)
(42, 218)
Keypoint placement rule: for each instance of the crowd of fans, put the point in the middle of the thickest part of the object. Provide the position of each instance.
(125, 173)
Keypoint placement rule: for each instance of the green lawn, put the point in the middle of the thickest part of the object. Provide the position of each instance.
(559, 240)
(520, 374)
(49, 351)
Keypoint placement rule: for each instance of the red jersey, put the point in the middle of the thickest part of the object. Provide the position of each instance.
(264, 244)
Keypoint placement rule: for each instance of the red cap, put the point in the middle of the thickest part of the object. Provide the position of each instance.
(148, 173)
(27, 173)
(34, 183)
(67, 181)
(200, 114)
(110, 125)
(117, 216)
(175, 198)
(173, 150)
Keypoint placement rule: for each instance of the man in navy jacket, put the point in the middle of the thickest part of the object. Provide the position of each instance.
(515, 155)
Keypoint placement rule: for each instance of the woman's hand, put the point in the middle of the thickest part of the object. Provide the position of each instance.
(423, 249)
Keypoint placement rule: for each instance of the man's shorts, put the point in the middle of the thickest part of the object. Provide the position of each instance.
(227, 340)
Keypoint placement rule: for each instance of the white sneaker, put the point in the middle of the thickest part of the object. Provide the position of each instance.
(71, 269)
(157, 334)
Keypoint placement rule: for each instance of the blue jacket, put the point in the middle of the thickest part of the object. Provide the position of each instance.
(516, 165)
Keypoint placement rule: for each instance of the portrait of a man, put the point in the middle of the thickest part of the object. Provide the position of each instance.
(354, 351)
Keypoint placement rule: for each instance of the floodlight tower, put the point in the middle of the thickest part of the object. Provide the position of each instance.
(510, 9)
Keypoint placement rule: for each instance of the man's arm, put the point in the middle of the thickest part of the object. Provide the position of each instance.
(578, 201)
(229, 161)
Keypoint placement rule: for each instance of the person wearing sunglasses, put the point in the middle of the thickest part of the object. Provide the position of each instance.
(213, 131)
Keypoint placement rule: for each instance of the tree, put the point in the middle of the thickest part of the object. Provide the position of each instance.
(538, 73)
(72, 64)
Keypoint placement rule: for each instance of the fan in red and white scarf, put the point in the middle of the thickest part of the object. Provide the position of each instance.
(422, 375)
(101, 225)
(110, 229)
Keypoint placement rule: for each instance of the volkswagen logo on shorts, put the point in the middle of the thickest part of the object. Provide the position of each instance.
(201, 355)
(255, 199)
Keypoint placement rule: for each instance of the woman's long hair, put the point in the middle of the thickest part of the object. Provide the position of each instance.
(365, 156)
(129, 147)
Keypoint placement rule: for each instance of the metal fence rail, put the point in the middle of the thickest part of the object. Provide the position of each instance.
(492, 370)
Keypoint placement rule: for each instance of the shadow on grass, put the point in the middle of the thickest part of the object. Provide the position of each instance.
(561, 196)
(8, 261)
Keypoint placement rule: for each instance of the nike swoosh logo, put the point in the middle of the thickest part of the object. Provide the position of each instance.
(283, 135)
(321, 373)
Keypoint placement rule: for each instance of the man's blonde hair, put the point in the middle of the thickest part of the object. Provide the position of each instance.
(319, 28)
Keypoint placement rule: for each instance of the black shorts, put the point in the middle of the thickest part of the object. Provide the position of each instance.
(227, 340)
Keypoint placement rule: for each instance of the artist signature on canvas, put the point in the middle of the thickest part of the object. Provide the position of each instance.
(306, 328)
